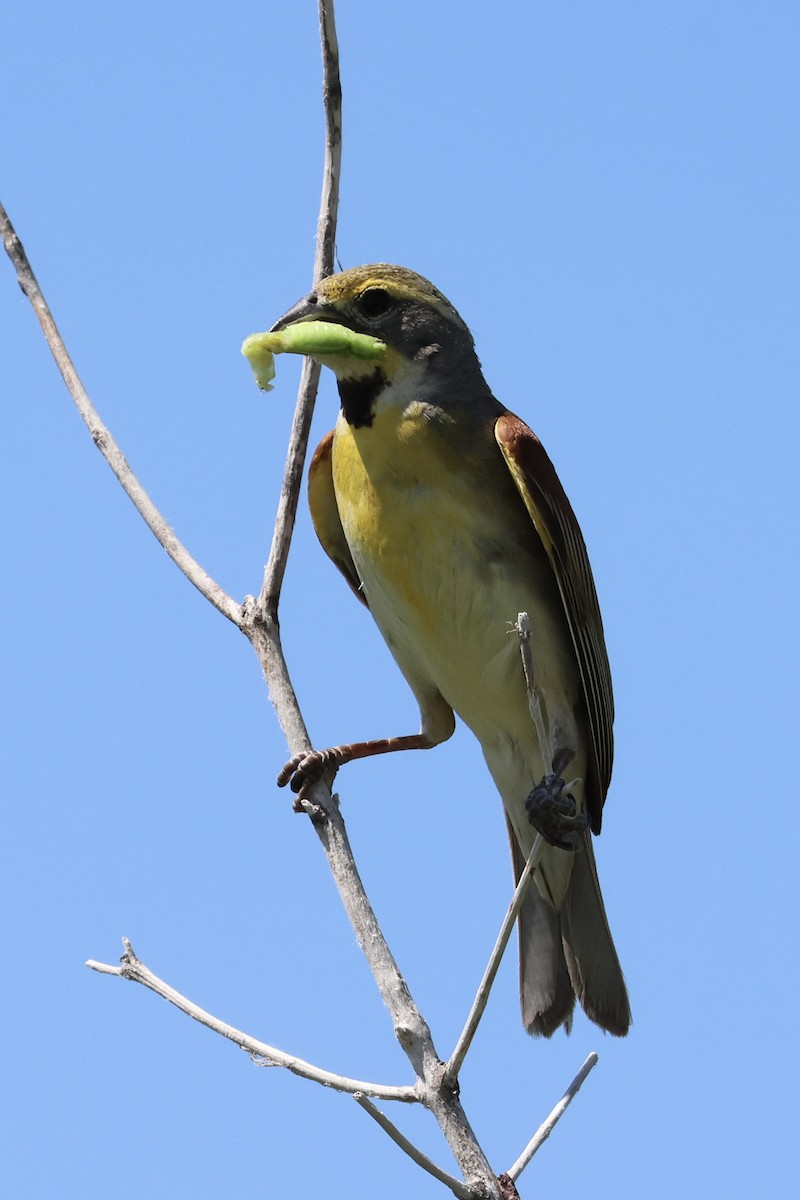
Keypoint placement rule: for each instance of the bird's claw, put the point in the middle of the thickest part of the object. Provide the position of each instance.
(554, 814)
(306, 768)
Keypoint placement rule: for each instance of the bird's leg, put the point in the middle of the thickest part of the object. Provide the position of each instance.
(310, 765)
(551, 807)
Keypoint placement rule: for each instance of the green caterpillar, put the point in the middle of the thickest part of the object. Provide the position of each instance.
(316, 338)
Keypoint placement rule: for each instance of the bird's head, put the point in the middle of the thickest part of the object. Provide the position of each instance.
(427, 341)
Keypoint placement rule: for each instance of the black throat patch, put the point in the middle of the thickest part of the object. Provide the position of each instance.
(358, 397)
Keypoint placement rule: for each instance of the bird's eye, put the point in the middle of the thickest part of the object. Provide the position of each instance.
(374, 302)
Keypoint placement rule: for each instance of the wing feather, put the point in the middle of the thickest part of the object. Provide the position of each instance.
(325, 515)
(556, 524)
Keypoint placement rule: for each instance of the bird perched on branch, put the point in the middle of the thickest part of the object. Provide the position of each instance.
(446, 517)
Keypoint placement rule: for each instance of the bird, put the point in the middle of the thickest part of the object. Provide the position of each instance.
(446, 517)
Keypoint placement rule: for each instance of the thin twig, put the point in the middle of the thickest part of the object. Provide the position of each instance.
(422, 1160)
(524, 631)
(456, 1060)
(131, 968)
(102, 437)
(267, 603)
(522, 628)
(547, 1127)
(332, 103)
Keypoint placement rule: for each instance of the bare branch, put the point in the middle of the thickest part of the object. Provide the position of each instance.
(482, 996)
(267, 603)
(410, 1027)
(522, 628)
(101, 435)
(264, 634)
(422, 1160)
(131, 968)
(523, 631)
(547, 1127)
(332, 101)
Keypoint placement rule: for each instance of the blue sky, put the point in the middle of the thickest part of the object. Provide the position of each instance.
(608, 193)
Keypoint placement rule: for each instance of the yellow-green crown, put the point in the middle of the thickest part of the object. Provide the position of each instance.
(398, 281)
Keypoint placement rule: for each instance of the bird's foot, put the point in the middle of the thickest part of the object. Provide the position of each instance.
(553, 813)
(309, 766)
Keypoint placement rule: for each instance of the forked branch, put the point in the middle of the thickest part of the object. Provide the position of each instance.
(267, 604)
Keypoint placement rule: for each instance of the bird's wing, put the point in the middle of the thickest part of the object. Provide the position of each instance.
(325, 514)
(555, 523)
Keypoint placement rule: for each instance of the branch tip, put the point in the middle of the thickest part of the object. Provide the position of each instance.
(547, 1126)
(135, 971)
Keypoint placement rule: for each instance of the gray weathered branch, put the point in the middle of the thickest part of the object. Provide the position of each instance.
(102, 436)
(456, 1060)
(137, 972)
(131, 968)
(547, 1127)
(413, 1152)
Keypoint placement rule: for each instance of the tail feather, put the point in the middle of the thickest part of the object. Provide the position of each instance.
(546, 994)
(569, 952)
(545, 988)
(592, 960)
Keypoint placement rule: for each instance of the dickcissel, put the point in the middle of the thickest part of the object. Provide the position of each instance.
(446, 517)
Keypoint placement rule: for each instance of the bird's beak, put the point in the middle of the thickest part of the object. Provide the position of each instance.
(310, 308)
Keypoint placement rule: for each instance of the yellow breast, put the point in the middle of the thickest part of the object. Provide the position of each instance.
(395, 511)
(448, 558)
